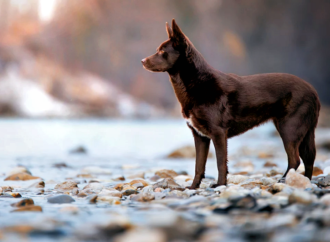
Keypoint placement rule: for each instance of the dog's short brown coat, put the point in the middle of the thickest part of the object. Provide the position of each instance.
(218, 105)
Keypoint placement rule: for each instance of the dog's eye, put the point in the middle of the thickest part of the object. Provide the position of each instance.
(161, 52)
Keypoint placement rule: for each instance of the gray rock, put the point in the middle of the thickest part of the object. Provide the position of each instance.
(168, 183)
(324, 181)
(61, 199)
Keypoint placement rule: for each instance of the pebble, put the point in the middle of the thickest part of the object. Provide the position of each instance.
(129, 192)
(154, 178)
(168, 183)
(317, 171)
(142, 235)
(184, 152)
(139, 181)
(128, 187)
(69, 209)
(91, 188)
(18, 169)
(269, 164)
(264, 155)
(113, 193)
(220, 188)
(6, 189)
(248, 166)
(13, 194)
(158, 189)
(61, 199)
(326, 170)
(28, 208)
(92, 198)
(23, 202)
(60, 165)
(324, 181)
(119, 178)
(236, 179)
(78, 150)
(82, 194)
(108, 199)
(325, 199)
(66, 186)
(274, 171)
(166, 173)
(23, 176)
(296, 180)
(143, 197)
(302, 197)
(136, 175)
(266, 181)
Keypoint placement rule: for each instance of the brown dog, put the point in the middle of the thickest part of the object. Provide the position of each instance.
(218, 106)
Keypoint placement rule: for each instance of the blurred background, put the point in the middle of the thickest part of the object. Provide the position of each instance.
(82, 58)
(76, 107)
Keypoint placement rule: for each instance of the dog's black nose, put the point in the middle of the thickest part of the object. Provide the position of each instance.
(143, 61)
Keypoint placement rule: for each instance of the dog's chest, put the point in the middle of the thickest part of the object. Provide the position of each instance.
(196, 126)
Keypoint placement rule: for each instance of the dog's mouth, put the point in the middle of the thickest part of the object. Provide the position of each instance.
(151, 70)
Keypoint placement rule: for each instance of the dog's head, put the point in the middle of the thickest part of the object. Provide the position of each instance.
(169, 51)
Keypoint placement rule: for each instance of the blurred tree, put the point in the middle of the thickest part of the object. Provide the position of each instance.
(110, 38)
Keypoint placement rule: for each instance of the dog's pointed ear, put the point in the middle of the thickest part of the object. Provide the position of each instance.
(169, 30)
(177, 32)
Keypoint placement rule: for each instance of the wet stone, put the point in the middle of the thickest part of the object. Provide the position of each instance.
(247, 202)
(28, 208)
(60, 165)
(325, 199)
(168, 183)
(78, 150)
(154, 178)
(23, 202)
(324, 181)
(317, 171)
(18, 169)
(12, 194)
(119, 178)
(60, 199)
(269, 164)
(236, 179)
(166, 173)
(139, 181)
(108, 199)
(136, 175)
(92, 198)
(302, 197)
(66, 186)
(296, 180)
(6, 189)
(129, 192)
(21, 177)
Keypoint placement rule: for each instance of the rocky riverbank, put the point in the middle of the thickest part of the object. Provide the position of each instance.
(88, 181)
(156, 206)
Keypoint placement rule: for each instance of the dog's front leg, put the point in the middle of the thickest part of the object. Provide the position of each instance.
(202, 145)
(220, 144)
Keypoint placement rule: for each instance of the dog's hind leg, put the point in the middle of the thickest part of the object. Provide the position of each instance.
(291, 133)
(307, 152)
(202, 145)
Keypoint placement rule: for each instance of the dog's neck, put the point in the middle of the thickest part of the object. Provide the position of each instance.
(189, 73)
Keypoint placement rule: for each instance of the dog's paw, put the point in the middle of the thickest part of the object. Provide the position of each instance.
(191, 188)
(215, 185)
(282, 180)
